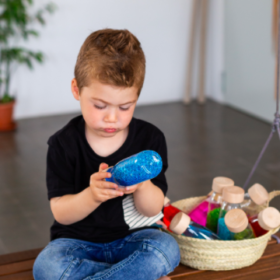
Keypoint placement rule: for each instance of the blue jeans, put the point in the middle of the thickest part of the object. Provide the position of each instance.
(147, 254)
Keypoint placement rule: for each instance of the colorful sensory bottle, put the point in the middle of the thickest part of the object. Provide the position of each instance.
(254, 201)
(182, 224)
(235, 226)
(215, 200)
(169, 211)
(135, 169)
(267, 219)
(199, 213)
(232, 198)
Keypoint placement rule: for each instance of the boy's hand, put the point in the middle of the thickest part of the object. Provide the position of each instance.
(101, 189)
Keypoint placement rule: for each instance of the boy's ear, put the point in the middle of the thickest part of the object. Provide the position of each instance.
(75, 89)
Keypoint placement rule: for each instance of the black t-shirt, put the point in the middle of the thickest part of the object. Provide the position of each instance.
(70, 163)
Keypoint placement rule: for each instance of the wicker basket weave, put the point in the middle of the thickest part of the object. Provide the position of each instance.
(218, 255)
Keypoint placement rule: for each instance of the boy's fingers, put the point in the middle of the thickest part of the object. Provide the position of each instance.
(103, 166)
(112, 193)
(106, 185)
(102, 175)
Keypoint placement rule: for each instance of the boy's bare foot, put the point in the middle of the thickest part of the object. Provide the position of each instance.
(164, 278)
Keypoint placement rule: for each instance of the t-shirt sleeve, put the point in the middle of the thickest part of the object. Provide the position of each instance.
(161, 148)
(60, 170)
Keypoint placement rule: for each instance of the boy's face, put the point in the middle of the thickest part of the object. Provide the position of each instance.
(107, 109)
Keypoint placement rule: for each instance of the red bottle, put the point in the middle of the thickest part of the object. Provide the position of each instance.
(169, 212)
(258, 230)
(266, 220)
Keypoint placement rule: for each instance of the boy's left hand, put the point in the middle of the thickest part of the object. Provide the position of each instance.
(130, 189)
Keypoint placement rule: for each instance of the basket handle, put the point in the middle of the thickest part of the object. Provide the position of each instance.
(273, 194)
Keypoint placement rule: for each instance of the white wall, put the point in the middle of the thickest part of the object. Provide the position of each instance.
(162, 26)
(249, 59)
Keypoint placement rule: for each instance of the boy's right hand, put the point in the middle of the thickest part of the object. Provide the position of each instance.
(101, 189)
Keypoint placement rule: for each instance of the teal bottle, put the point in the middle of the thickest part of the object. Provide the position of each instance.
(236, 225)
(232, 198)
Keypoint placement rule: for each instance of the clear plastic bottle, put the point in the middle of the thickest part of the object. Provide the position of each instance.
(182, 224)
(136, 169)
(232, 198)
(267, 219)
(199, 213)
(236, 226)
(254, 202)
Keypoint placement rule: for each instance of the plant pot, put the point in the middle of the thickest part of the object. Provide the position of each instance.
(6, 116)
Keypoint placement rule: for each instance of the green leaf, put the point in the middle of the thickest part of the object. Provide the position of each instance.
(39, 17)
(21, 56)
(51, 7)
(27, 33)
(6, 98)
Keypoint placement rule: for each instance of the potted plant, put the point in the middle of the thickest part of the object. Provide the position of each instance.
(15, 24)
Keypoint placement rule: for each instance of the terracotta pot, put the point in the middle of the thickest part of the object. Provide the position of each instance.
(6, 116)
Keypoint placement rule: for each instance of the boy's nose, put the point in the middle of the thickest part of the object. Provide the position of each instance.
(111, 116)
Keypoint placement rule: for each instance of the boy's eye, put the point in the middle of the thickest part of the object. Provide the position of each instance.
(99, 107)
(124, 109)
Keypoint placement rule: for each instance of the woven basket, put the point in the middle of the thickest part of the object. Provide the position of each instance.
(215, 254)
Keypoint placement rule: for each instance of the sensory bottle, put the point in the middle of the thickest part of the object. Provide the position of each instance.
(235, 226)
(254, 201)
(136, 169)
(267, 219)
(232, 198)
(199, 213)
(182, 224)
(169, 211)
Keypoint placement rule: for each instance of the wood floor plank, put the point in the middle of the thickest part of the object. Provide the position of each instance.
(183, 270)
(17, 267)
(265, 275)
(27, 275)
(271, 250)
(19, 256)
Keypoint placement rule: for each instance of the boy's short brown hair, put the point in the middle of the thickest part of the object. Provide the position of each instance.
(113, 57)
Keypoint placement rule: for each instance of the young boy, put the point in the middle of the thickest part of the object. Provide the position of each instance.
(101, 230)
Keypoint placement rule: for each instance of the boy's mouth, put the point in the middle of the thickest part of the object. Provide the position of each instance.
(110, 130)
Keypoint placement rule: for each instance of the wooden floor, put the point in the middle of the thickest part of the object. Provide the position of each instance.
(202, 141)
(18, 266)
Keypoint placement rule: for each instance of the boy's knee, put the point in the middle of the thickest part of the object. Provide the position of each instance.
(47, 266)
(168, 247)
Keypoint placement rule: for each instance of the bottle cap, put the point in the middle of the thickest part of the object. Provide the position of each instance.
(166, 200)
(236, 220)
(233, 194)
(269, 218)
(179, 223)
(258, 194)
(219, 183)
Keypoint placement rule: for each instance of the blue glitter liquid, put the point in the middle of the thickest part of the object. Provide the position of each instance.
(138, 168)
(197, 231)
(223, 231)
